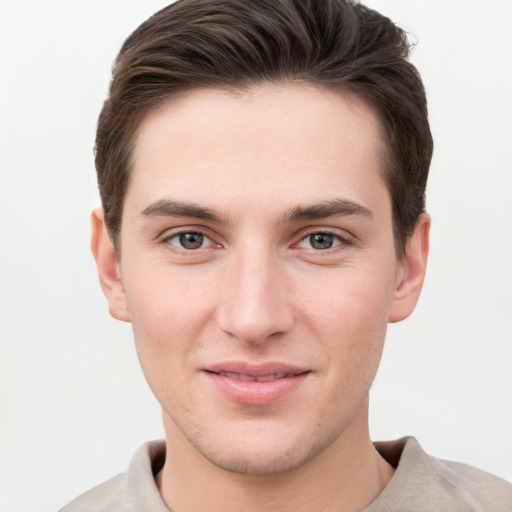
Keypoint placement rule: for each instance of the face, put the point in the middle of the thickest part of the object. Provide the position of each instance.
(259, 271)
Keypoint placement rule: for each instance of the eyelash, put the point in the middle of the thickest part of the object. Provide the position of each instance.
(167, 240)
(342, 241)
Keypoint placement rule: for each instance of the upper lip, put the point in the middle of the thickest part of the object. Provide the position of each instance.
(256, 370)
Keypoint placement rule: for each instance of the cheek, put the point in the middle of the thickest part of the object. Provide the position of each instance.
(349, 317)
(354, 301)
(168, 315)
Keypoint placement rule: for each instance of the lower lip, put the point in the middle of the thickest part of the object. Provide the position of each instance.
(254, 392)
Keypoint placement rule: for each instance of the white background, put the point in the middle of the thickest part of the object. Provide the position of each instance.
(74, 405)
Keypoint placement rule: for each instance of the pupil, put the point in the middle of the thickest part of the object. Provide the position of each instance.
(321, 241)
(191, 240)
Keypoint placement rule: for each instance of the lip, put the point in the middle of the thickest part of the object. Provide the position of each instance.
(256, 384)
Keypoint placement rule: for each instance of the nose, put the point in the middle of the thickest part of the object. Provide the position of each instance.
(255, 305)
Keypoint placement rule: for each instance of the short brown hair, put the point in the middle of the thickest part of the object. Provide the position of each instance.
(338, 44)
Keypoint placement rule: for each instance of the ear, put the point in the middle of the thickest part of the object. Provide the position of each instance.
(108, 267)
(412, 271)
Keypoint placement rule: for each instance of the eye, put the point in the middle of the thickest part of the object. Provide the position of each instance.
(190, 241)
(321, 241)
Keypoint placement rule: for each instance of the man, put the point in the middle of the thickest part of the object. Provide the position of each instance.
(262, 168)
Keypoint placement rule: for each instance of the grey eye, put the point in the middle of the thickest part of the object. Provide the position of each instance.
(188, 241)
(321, 240)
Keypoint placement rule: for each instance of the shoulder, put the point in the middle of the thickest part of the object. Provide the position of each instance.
(109, 496)
(474, 486)
(135, 490)
(424, 483)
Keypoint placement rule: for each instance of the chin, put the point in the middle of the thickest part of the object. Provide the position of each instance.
(264, 451)
(260, 463)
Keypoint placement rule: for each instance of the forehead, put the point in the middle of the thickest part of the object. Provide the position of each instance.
(272, 142)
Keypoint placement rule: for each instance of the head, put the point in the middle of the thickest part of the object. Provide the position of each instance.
(336, 45)
(262, 168)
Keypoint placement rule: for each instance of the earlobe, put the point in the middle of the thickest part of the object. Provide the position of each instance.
(412, 275)
(108, 267)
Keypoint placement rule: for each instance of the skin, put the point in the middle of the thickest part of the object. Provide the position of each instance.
(249, 173)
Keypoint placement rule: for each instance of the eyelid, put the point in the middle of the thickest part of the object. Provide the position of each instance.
(345, 238)
(169, 234)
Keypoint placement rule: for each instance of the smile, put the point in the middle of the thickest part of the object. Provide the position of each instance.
(256, 378)
(256, 386)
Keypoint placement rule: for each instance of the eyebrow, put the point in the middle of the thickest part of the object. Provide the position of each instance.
(172, 208)
(341, 207)
(326, 209)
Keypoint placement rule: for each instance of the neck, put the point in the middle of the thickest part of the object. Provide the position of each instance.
(347, 476)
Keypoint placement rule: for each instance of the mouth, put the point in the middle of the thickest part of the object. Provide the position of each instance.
(256, 385)
(258, 378)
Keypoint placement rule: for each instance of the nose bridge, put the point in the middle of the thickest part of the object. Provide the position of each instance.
(255, 305)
